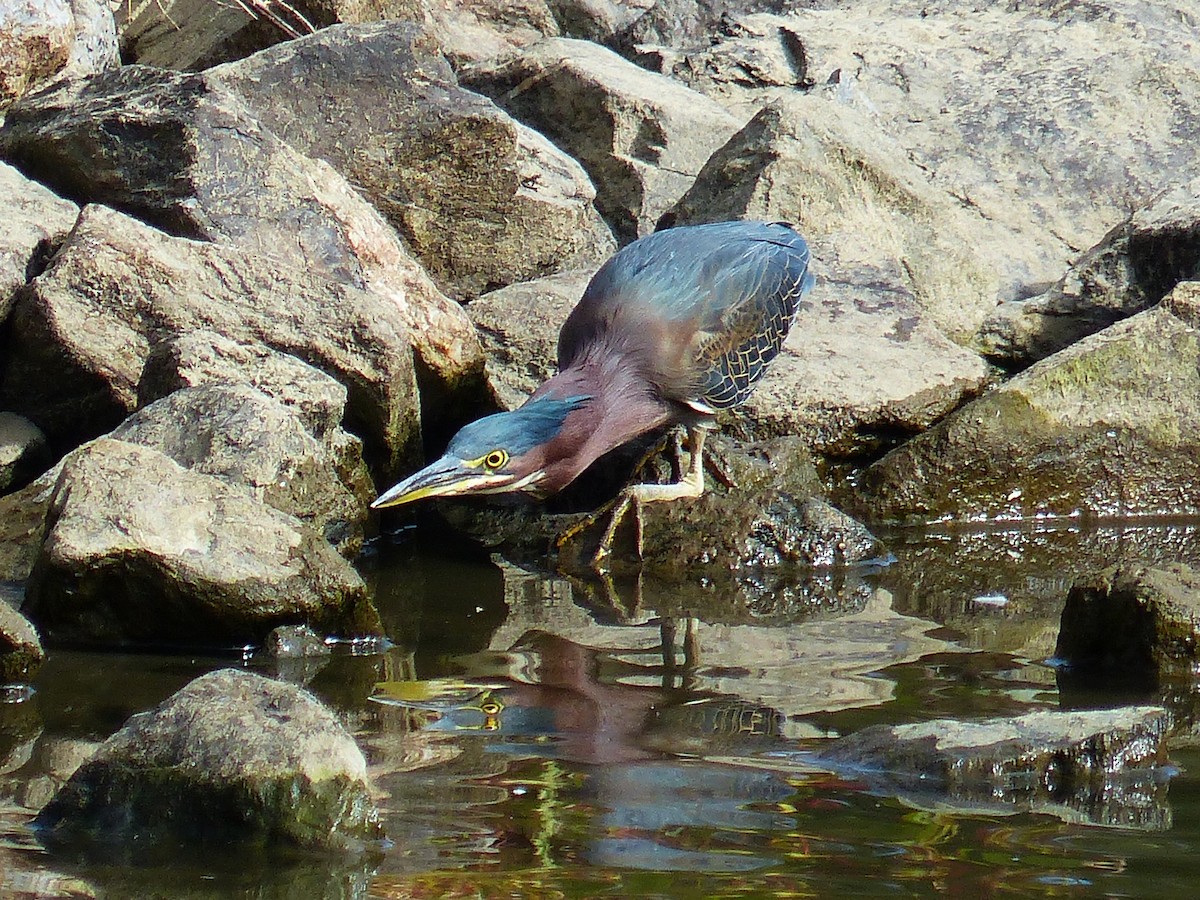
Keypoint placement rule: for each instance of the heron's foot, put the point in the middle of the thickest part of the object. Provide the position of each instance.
(618, 509)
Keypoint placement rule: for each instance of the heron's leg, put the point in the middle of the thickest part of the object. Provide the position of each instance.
(690, 485)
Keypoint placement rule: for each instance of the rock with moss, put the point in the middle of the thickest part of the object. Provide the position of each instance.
(231, 756)
(1138, 621)
(1104, 428)
(140, 550)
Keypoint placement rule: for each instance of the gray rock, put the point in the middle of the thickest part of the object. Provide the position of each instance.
(642, 137)
(470, 31)
(1133, 620)
(183, 153)
(80, 336)
(35, 43)
(34, 220)
(1105, 764)
(294, 642)
(518, 327)
(482, 200)
(22, 450)
(746, 52)
(21, 653)
(201, 357)
(192, 34)
(594, 20)
(139, 549)
(1130, 270)
(95, 46)
(232, 753)
(244, 437)
(1106, 427)
(23, 526)
(686, 25)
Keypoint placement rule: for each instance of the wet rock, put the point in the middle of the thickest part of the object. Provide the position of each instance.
(81, 334)
(1133, 620)
(232, 753)
(482, 200)
(184, 154)
(139, 549)
(1106, 764)
(22, 450)
(21, 651)
(246, 438)
(1103, 428)
(518, 327)
(294, 642)
(35, 219)
(866, 360)
(35, 43)
(641, 136)
(1130, 270)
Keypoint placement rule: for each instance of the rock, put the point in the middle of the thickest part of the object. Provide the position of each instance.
(184, 154)
(35, 42)
(95, 46)
(684, 25)
(1133, 620)
(1130, 270)
(246, 438)
(21, 651)
(1104, 428)
(641, 136)
(470, 31)
(200, 357)
(1088, 760)
(35, 220)
(192, 34)
(482, 200)
(594, 20)
(23, 525)
(518, 327)
(22, 450)
(747, 51)
(81, 334)
(232, 753)
(293, 642)
(139, 549)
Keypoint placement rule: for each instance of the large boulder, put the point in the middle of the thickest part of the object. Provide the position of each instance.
(82, 332)
(641, 136)
(232, 755)
(244, 437)
(34, 221)
(481, 199)
(1106, 427)
(183, 153)
(1130, 270)
(138, 549)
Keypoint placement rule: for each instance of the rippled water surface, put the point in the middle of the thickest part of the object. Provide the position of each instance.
(532, 735)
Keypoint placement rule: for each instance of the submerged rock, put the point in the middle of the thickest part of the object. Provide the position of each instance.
(1105, 764)
(139, 549)
(1104, 428)
(231, 757)
(1134, 620)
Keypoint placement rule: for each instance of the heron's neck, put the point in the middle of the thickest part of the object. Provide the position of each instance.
(623, 406)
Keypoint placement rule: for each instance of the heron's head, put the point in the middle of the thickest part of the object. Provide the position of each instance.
(499, 454)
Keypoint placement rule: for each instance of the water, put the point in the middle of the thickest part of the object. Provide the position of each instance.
(579, 739)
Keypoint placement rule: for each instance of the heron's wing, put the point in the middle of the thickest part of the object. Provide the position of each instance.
(749, 309)
(704, 307)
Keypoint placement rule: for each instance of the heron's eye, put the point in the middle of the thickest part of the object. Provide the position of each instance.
(495, 459)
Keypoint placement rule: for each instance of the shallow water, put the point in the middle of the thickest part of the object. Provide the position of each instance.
(593, 739)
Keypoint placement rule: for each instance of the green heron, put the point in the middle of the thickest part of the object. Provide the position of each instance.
(674, 327)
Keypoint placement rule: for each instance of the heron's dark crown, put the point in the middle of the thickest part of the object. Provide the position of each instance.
(518, 431)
